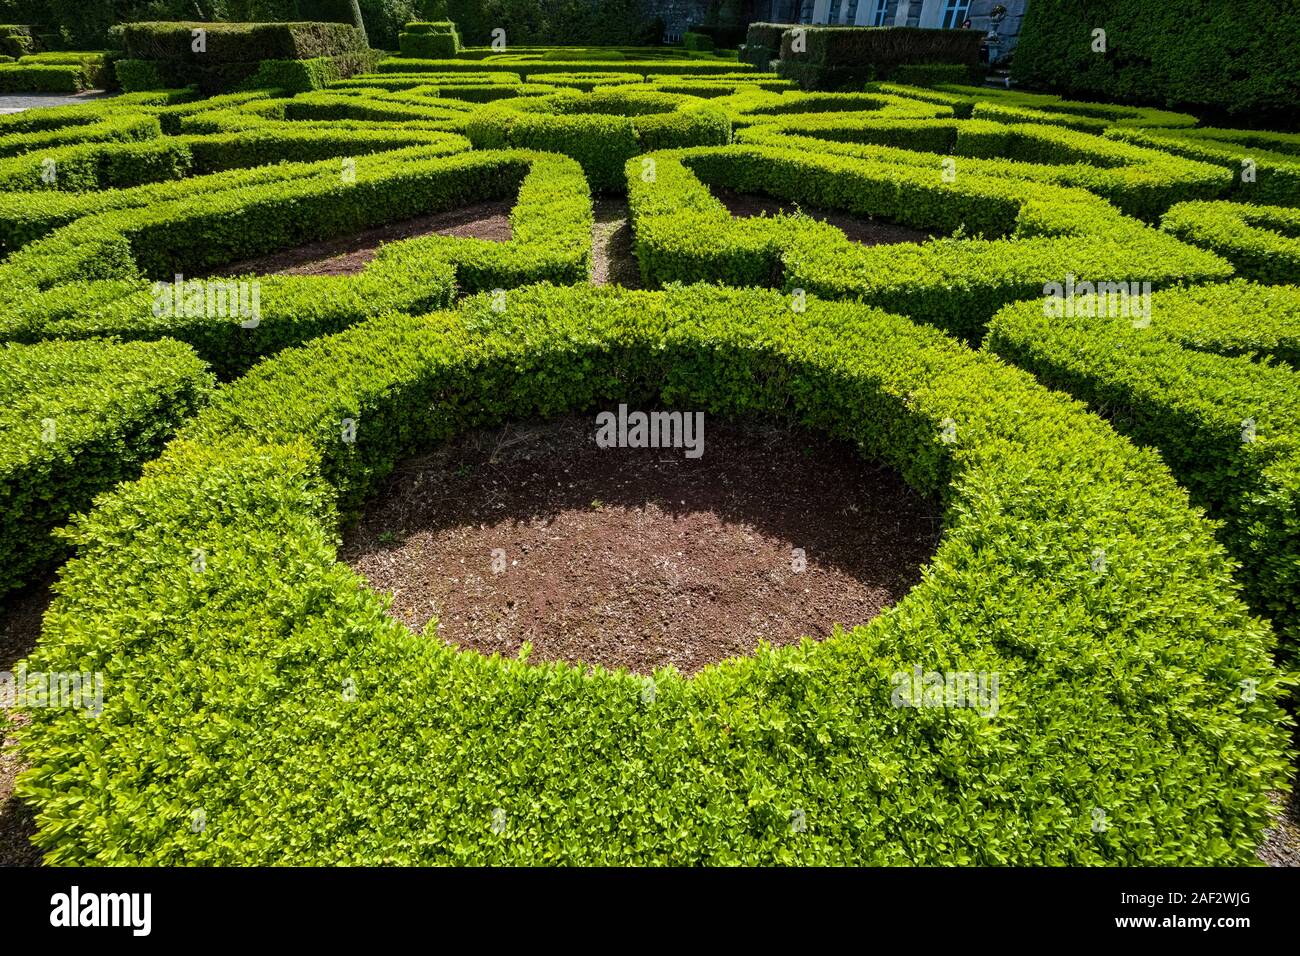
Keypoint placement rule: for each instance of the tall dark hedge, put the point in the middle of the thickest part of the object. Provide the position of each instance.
(577, 22)
(590, 22)
(1241, 58)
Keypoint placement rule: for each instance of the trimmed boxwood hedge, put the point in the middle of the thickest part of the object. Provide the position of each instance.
(1259, 175)
(1022, 234)
(110, 126)
(92, 166)
(602, 130)
(1141, 182)
(1262, 242)
(1016, 106)
(27, 216)
(1239, 57)
(78, 417)
(551, 240)
(1193, 405)
(1119, 690)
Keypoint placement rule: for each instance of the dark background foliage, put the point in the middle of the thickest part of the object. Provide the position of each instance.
(1237, 58)
(85, 23)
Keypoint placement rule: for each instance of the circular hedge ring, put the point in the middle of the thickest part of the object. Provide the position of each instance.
(267, 689)
(602, 130)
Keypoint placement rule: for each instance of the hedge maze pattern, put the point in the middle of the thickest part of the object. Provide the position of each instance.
(192, 466)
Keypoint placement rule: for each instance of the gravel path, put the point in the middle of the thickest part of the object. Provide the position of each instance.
(17, 102)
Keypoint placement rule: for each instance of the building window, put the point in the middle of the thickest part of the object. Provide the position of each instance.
(954, 13)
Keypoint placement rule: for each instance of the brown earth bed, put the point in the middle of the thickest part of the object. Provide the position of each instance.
(861, 229)
(641, 558)
(351, 254)
(20, 626)
(612, 261)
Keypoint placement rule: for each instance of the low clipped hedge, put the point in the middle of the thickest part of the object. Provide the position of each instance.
(1014, 236)
(1262, 176)
(551, 241)
(239, 42)
(92, 166)
(933, 74)
(27, 216)
(602, 129)
(1194, 405)
(42, 78)
(121, 127)
(749, 105)
(1262, 242)
(1017, 106)
(1126, 684)
(78, 417)
(96, 67)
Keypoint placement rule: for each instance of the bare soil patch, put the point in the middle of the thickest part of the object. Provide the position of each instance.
(612, 260)
(862, 229)
(20, 626)
(349, 255)
(641, 558)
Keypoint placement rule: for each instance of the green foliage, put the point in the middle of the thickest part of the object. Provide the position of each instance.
(697, 41)
(93, 166)
(602, 130)
(1015, 106)
(97, 73)
(535, 69)
(1121, 687)
(78, 417)
(1018, 235)
(41, 78)
(1141, 182)
(551, 240)
(932, 74)
(1262, 242)
(843, 58)
(135, 75)
(1137, 671)
(1239, 58)
(1190, 382)
(16, 40)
